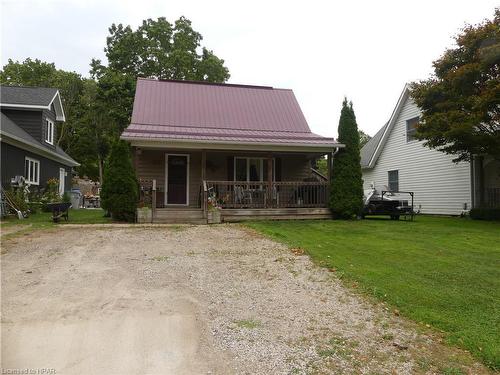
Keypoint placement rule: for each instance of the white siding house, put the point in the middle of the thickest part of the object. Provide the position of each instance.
(440, 186)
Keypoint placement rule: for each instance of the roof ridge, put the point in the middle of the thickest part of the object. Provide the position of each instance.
(223, 84)
(218, 128)
(29, 87)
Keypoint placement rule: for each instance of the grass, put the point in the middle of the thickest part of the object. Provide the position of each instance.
(440, 271)
(43, 220)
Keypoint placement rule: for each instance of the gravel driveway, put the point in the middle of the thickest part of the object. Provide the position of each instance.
(194, 300)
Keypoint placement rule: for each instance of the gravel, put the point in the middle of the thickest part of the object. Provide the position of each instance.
(260, 307)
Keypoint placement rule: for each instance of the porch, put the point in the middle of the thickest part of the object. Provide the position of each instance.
(195, 186)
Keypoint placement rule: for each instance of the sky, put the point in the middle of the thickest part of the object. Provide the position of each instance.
(322, 50)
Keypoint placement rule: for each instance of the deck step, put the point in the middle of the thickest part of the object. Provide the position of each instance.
(179, 216)
(163, 220)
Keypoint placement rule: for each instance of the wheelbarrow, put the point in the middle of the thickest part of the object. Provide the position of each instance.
(59, 210)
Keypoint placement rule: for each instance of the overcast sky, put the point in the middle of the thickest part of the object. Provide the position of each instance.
(323, 50)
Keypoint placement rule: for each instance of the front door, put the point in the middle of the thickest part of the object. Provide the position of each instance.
(177, 179)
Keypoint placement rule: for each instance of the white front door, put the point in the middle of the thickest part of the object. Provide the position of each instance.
(62, 178)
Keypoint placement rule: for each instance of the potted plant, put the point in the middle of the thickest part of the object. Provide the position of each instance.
(214, 211)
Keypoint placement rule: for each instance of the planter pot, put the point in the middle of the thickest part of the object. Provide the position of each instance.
(144, 215)
(214, 217)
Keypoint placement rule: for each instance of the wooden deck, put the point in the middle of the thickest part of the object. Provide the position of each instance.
(235, 215)
(196, 216)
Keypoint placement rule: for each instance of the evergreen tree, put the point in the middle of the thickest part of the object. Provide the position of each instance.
(346, 200)
(120, 192)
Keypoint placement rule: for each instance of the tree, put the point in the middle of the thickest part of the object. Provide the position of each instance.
(363, 138)
(346, 200)
(120, 191)
(460, 102)
(157, 49)
(73, 134)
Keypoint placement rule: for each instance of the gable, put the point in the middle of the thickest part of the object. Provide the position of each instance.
(32, 98)
(371, 153)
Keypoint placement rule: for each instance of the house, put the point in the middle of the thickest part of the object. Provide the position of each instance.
(28, 137)
(394, 160)
(245, 149)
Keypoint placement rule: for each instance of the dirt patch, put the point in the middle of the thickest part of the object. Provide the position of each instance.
(190, 300)
(5, 230)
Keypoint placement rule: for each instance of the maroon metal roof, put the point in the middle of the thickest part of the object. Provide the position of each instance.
(220, 112)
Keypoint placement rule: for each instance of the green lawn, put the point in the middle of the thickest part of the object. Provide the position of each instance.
(43, 220)
(439, 271)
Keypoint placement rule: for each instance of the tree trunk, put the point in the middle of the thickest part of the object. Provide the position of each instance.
(99, 161)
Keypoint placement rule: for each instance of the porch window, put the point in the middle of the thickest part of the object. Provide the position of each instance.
(251, 169)
(32, 171)
(393, 180)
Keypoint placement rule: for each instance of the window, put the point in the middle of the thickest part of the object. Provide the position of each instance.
(393, 180)
(49, 135)
(411, 129)
(32, 171)
(251, 169)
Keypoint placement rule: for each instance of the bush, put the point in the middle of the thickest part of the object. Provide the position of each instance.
(485, 213)
(120, 189)
(346, 200)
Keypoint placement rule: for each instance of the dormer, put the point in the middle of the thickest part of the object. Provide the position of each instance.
(35, 110)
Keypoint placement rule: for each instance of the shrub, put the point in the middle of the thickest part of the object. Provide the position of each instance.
(485, 213)
(346, 200)
(120, 191)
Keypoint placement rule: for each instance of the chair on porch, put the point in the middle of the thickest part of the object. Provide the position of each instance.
(242, 196)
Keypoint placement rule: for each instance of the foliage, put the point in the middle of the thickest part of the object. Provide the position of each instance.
(156, 49)
(120, 189)
(18, 198)
(66, 198)
(460, 111)
(440, 271)
(322, 166)
(363, 138)
(485, 213)
(347, 185)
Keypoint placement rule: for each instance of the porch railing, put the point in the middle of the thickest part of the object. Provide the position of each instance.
(283, 194)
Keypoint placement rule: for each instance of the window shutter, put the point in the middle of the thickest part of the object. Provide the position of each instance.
(277, 173)
(230, 168)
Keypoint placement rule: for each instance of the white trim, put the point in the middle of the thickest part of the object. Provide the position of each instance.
(62, 172)
(226, 145)
(61, 116)
(8, 105)
(35, 162)
(49, 135)
(388, 128)
(39, 150)
(166, 180)
(247, 158)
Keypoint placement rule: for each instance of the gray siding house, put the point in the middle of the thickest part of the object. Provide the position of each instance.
(247, 149)
(394, 160)
(29, 137)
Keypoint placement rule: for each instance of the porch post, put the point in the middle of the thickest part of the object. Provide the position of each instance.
(329, 166)
(203, 192)
(203, 165)
(269, 180)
